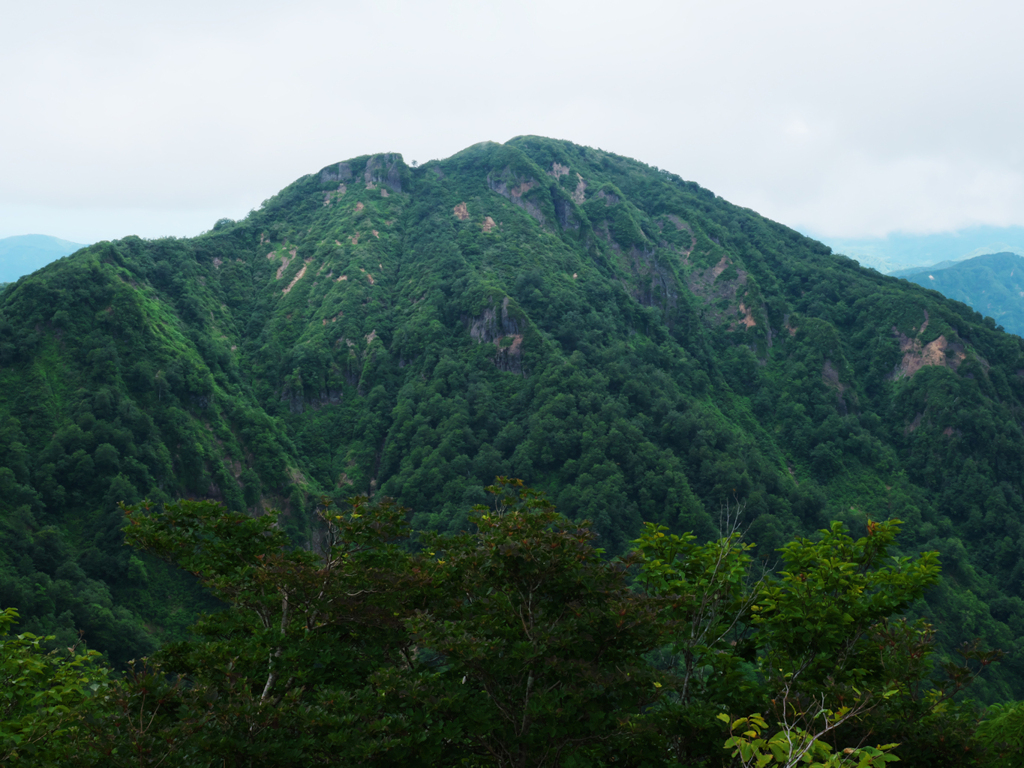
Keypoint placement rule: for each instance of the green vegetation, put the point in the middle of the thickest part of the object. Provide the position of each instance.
(626, 342)
(992, 284)
(516, 643)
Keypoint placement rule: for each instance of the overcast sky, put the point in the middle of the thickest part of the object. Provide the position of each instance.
(841, 119)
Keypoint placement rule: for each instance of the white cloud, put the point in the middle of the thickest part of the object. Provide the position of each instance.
(848, 119)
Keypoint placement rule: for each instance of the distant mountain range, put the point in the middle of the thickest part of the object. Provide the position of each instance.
(24, 254)
(899, 254)
(992, 284)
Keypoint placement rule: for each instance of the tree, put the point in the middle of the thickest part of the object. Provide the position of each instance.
(287, 666)
(543, 634)
(42, 694)
(709, 594)
(814, 645)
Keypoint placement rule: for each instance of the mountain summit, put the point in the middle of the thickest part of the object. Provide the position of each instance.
(620, 338)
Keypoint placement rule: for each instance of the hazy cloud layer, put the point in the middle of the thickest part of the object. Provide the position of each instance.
(844, 119)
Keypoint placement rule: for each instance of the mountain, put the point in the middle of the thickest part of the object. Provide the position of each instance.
(993, 284)
(900, 252)
(622, 339)
(23, 254)
(924, 268)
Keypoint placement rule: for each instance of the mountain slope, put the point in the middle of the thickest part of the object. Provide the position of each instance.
(992, 284)
(23, 254)
(620, 338)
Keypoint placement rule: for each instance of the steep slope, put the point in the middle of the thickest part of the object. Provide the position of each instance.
(992, 284)
(626, 341)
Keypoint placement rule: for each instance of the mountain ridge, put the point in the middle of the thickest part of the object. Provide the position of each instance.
(991, 283)
(620, 338)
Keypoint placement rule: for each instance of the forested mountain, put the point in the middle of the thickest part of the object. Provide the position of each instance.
(22, 254)
(993, 284)
(622, 339)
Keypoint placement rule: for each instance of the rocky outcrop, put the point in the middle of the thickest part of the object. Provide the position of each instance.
(722, 293)
(339, 172)
(515, 189)
(916, 355)
(565, 212)
(384, 169)
(496, 326)
(655, 283)
(830, 375)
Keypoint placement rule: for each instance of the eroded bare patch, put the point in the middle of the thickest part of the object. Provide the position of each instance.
(748, 316)
(523, 188)
(488, 224)
(299, 275)
(720, 267)
(558, 170)
(461, 212)
(917, 356)
(706, 285)
(581, 188)
(285, 261)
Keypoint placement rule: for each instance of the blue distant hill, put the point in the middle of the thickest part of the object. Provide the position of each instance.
(901, 254)
(992, 284)
(24, 254)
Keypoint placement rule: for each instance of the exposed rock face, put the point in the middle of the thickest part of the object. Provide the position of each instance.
(917, 355)
(339, 172)
(830, 375)
(298, 400)
(504, 332)
(514, 189)
(656, 285)
(383, 169)
(581, 188)
(558, 170)
(567, 218)
(712, 285)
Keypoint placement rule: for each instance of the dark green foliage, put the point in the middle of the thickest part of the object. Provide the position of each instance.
(516, 643)
(620, 338)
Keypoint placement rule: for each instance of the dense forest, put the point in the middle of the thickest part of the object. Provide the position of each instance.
(623, 340)
(515, 643)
